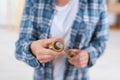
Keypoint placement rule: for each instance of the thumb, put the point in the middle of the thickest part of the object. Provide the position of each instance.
(76, 51)
(47, 42)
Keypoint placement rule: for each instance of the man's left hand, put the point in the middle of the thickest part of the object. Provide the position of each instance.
(81, 59)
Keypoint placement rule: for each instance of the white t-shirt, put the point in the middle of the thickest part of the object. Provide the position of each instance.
(61, 27)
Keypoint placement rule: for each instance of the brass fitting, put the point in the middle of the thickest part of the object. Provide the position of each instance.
(57, 45)
(70, 54)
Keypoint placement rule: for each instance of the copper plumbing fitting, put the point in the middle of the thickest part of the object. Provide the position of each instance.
(70, 54)
(57, 45)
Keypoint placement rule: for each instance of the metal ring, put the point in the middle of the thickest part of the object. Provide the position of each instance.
(57, 45)
(70, 54)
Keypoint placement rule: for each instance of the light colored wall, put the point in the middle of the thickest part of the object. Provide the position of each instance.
(3, 11)
(19, 3)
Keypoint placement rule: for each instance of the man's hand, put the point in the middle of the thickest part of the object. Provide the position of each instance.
(43, 54)
(81, 59)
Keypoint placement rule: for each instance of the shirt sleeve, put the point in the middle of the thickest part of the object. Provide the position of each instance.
(28, 34)
(98, 42)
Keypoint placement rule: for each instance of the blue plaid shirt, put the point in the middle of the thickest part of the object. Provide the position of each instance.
(89, 32)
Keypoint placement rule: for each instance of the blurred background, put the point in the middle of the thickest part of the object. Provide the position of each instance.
(106, 68)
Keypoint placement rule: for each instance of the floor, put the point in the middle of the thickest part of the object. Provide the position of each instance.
(106, 68)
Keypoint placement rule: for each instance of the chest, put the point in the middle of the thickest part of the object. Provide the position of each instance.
(82, 28)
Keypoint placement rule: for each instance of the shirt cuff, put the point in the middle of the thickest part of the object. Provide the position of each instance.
(29, 58)
(92, 56)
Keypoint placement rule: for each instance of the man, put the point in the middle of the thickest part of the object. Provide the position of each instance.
(82, 24)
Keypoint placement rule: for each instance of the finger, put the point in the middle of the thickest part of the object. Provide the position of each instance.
(58, 55)
(76, 51)
(80, 66)
(83, 65)
(83, 62)
(84, 53)
(73, 59)
(48, 52)
(71, 62)
(54, 53)
(44, 60)
(47, 42)
(80, 63)
(48, 58)
(41, 57)
(78, 59)
(83, 59)
(81, 55)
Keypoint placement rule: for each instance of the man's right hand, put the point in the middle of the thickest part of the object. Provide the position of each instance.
(43, 54)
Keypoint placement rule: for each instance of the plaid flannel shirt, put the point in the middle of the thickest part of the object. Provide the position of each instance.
(89, 32)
